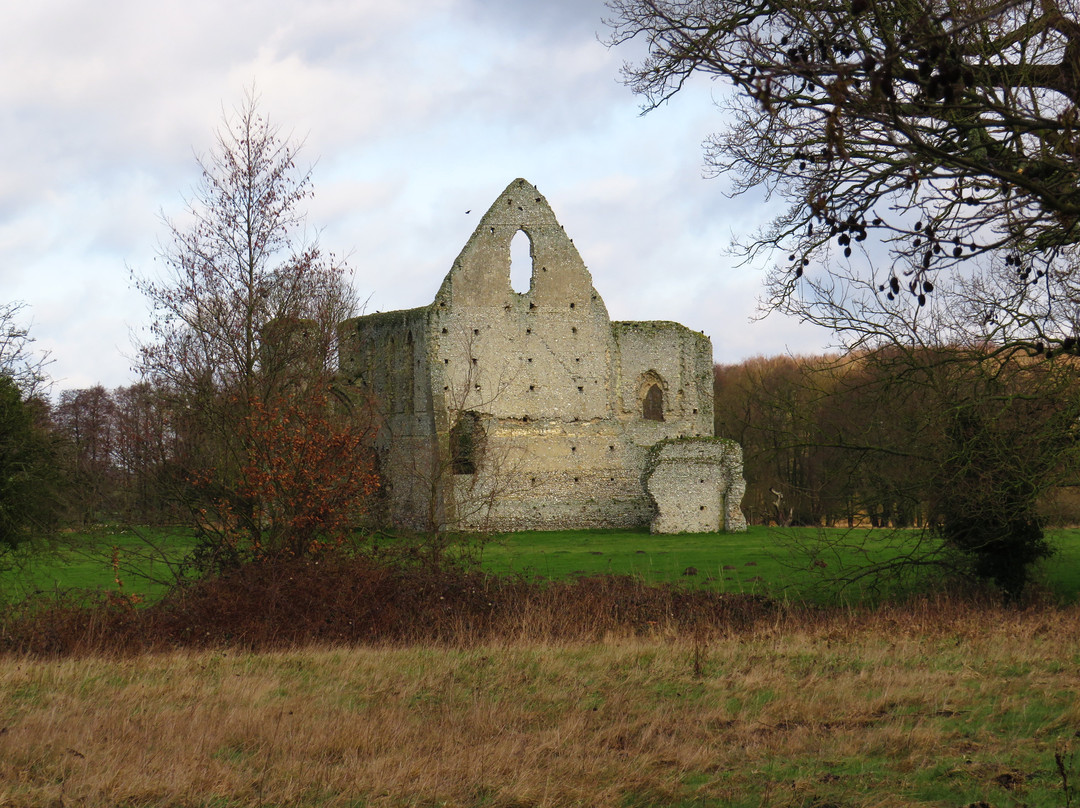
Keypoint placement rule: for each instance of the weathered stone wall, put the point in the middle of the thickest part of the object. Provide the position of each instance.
(695, 485)
(385, 357)
(676, 359)
(554, 473)
(542, 353)
(561, 405)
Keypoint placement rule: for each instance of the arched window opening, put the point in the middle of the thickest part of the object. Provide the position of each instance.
(653, 406)
(521, 262)
(466, 440)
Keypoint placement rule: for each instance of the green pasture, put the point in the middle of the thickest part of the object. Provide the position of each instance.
(765, 560)
(144, 560)
(774, 561)
(756, 561)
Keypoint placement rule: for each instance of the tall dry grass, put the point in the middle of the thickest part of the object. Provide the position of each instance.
(933, 703)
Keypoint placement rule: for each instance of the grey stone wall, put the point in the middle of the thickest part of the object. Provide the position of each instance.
(385, 358)
(696, 485)
(561, 404)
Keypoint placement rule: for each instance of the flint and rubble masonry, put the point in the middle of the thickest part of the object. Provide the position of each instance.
(532, 410)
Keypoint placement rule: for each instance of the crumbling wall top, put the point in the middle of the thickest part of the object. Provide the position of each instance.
(480, 275)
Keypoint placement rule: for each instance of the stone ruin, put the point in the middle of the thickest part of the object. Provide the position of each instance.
(534, 411)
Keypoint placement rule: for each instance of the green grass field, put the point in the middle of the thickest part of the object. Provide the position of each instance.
(764, 560)
(755, 561)
(140, 558)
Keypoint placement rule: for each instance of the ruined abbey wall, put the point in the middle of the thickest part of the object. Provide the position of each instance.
(531, 410)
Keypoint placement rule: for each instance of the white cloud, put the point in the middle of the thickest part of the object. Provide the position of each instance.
(413, 112)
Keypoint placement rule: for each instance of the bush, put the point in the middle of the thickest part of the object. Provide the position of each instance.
(341, 599)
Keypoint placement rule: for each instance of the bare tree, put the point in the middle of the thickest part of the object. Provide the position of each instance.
(87, 420)
(927, 155)
(243, 339)
(147, 450)
(819, 447)
(18, 361)
(924, 149)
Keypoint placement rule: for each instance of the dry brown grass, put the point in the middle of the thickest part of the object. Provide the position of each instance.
(352, 600)
(935, 703)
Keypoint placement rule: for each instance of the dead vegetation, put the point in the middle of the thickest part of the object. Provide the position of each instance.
(453, 689)
(339, 599)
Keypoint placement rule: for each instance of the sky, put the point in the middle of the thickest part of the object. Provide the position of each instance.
(410, 112)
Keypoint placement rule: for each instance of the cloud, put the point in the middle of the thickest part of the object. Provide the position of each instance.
(412, 113)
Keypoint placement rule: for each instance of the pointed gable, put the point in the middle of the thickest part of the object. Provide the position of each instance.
(532, 410)
(480, 275)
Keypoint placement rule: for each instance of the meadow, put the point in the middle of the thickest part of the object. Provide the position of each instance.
(934, 704)
(770, 561)
(766, 561)
(582, 690)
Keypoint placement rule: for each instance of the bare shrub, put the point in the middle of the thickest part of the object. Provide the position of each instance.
(342, 599)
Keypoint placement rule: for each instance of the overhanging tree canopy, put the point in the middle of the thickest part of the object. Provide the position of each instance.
(945, 129)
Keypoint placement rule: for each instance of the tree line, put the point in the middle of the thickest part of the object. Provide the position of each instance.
(974, 446)
(844, 440)
(922, 159)
(119, 453)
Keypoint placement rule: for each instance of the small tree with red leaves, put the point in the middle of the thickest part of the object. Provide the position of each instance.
(308, 473)
(242, 343)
